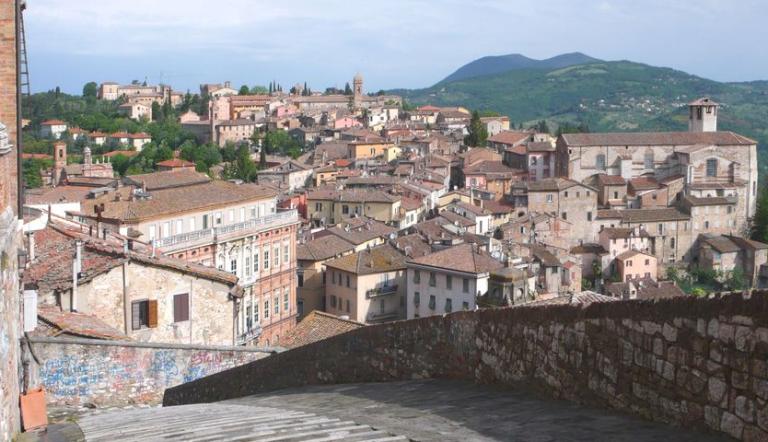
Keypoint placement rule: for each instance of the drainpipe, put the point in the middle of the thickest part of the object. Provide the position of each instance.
(126, 305)
(76, 268)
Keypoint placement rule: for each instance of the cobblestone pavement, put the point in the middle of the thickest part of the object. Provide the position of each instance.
(439, 410)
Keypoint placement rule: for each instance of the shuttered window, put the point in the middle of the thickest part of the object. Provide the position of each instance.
(143, 314)
(181, 307)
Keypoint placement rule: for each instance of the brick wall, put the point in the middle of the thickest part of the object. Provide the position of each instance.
(700, 363)
(113, 373)
(10, 235)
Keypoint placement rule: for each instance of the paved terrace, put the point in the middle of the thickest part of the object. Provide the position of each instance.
(430, 410)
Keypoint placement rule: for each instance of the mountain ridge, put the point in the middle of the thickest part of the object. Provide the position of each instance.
(495, 64)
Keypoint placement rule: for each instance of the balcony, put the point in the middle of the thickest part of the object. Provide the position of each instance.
(217, 234)
(381, 291)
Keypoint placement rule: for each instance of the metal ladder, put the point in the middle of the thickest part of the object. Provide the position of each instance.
(23, 68)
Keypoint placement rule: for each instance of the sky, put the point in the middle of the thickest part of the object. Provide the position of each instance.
(392, 43)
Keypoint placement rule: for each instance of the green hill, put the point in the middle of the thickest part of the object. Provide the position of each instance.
(607, 96)
(496, 64)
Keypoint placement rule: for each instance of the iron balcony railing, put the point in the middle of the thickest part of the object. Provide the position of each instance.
(208, 235)
(381, 291)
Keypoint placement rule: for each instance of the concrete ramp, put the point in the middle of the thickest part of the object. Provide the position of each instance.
(225, 422)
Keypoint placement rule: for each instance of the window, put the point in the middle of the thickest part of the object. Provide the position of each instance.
(553, 270)
(205, 222)
(266, 309)
(143, 314)
(286, 253)
(706, 224)
(247, 265)
(345, 209)
(248, 320)
(152, 232)
(256, 261)
(233, 266)
(181, 307)
(712, 167)
(416, 299)
(166, 230)
(564, 215)
(589, 216)
(615, 195)
(242, 214)
(647, 262)
(382, 306)
(348, 306)
(565, 194)
(192, 224)
(179, 226)
(432, 279)
(266, 258)
(347, 281)
(648, 160)
(333, 301)
(661, 228)
(318, 206)
(276, 256)
(256, 312)
(231, 215)
(465, 305)
(449, 282)
(600, 162)
(277, 302)
(672, 242)
(448, 305)
(286, 299)
(465, 285)
(416, 277)
(533, 161)
(432, 302)
(300, 281)
(628, 263)
(253, 212)
(217, 219)
(549, 198)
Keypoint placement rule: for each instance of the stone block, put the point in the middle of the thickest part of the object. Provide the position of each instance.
(712, 417)
(669, 332)
(726, 333)
(717, 389)
(753, 434)
(713, 328)
(743, 338)
(731, 424)
(744, 408)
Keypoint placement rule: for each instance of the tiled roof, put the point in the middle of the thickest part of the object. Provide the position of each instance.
(352, 195)
(77, 324)
(462, 258)
(649, 215)
(360, 230)
(704, 101)
(747, 244)
(488, 167)
(498, 207)
(176, 162)
(544, 256)
(588, 248)
(52, 123)
(413, 245)
(721, 243)
(624, 232)
(59, 194)
(175, 200)
(630, 253)
(322, 248)
(611, 180)
(167, 179)
(585, 297)
(55, 250)
(317, 326)
(380, 259)
(551, 185)
(644, 183)
(455, 218)
(656, 139)
(709, 201)
(509, 137)
(540, 146)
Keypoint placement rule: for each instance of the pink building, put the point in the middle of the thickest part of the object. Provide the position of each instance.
(346, 122)
(635, 264)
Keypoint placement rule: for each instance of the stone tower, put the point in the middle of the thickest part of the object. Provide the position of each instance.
(702, 115)
(59, 161)
(357, 83)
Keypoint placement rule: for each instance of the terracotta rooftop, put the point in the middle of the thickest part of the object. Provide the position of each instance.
(360, 230)
(322, 248)
(644, 183)
(624, 232)
(175, 200)
(413, 245)
(379, 259)
(167, 179)
(59, 194)
(510, 137)
(709, 201)
(611, 180)
(53, 123)
(176, 162)
(461, 258)
(58, 322)
(649, 215)
(317, 326)
(585, 297)
(656, 139)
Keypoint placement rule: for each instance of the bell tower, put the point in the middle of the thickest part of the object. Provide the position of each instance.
(357, 85)
(59, 161)
(702, 115)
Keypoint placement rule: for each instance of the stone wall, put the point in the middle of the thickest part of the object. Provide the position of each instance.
(115, 373)
(695, 362)
(10, 323)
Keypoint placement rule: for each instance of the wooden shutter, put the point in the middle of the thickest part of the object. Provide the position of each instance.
(152, 315)
(181, 307)
(135, 316)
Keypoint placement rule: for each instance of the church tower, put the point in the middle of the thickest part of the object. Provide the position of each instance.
(59, 161)
(702, 115)
(357, 83)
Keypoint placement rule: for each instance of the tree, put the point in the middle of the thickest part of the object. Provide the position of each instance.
(90, 89)
(259, 90)
(243, 167)
(243, 90)
(760, 221)
(478, 134)
(347, 89)
(541, 127)
(157, 112)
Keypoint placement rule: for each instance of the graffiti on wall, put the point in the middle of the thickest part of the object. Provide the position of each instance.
(119, 375)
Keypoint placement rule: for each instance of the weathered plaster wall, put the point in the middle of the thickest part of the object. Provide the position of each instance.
(112, 373)
(10, 323)
(689, 361)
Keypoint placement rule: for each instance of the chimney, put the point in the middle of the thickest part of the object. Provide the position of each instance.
(76, 269)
